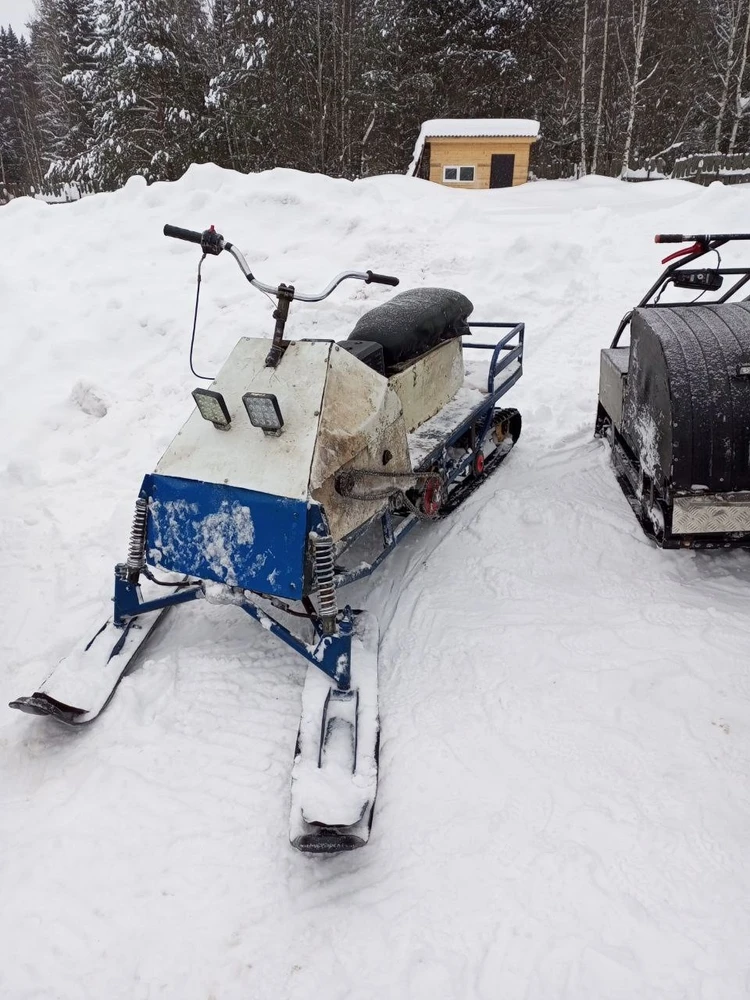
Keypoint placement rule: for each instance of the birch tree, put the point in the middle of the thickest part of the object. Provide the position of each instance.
(741, 102)
(602, 80)
(728, 25)
(634, 72)
(584, 53)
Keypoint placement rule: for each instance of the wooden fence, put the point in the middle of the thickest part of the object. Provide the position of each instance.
(705, 169)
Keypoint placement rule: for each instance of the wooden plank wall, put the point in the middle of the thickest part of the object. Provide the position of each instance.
(470, 152)
(710, 167)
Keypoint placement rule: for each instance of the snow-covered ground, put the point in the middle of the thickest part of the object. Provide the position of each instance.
(564, 808)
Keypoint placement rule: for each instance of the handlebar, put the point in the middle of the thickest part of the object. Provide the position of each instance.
(212, 242)
(703, 239)
(381, 279)
(189, 235)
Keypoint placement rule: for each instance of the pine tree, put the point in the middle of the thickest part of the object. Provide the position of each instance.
(240, 52)
(20, 159)
(63, 40)
(148, 92)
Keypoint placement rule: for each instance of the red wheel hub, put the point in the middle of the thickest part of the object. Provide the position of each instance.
(432, 497)
(479, 464)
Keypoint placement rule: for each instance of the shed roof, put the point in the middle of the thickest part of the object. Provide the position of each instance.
(449, 127)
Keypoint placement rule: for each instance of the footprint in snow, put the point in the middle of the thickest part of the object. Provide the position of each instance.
(86, 398)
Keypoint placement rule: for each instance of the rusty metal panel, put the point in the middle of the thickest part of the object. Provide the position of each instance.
(362, 428)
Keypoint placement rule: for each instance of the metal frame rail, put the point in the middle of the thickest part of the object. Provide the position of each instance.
(702, 245)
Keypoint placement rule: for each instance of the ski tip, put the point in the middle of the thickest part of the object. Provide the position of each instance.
(328, 840)
(42, 704)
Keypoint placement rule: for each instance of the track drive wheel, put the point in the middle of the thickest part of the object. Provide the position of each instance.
(432, 497)
(506, 424)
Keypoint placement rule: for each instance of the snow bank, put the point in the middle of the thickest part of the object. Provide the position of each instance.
(564, 807)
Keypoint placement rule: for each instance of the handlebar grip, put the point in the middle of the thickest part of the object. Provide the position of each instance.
(671, 238)
(381, 279)
(189, 235)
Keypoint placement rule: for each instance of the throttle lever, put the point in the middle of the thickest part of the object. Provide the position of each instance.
(212, 242)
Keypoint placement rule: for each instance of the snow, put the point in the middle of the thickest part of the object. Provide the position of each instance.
(430, 434)
(563, 809)
(643, 174)
(472, 127)
(220, 537)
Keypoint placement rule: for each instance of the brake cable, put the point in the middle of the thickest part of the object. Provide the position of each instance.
(205, 378)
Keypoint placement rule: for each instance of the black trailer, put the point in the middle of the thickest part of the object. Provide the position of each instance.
(674, 404)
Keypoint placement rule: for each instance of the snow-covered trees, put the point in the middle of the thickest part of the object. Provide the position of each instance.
(107, 88)
(235, 99)
(21, 166)
(147, 96)
(728, 57)
(63, 41)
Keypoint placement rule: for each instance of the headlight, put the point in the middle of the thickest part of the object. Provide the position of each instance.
(212, 407)
(263, 410)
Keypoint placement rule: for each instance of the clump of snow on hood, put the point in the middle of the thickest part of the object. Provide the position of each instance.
(222, 534)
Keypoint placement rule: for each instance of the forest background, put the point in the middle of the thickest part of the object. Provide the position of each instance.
(93, 91)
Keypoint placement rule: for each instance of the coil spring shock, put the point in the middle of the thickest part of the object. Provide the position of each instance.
(324, 574)
(137, 544)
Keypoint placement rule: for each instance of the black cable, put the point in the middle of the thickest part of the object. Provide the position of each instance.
(163, 583)
(671, 278)
(718, 265)
(205, 378)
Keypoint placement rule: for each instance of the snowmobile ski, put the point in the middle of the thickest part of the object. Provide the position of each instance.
(335, 774)
(82, 684)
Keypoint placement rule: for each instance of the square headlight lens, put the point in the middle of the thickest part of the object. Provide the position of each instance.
(212, 407)
(263, 410)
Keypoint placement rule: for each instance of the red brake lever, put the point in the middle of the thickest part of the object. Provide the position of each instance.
(695, 248)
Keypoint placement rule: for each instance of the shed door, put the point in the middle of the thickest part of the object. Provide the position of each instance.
(501, 170)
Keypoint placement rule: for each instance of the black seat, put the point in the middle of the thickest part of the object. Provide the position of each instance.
(412, 322)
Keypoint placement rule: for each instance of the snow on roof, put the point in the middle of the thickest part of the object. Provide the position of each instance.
(449, 127)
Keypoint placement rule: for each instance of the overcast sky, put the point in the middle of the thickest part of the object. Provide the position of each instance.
(15, 12)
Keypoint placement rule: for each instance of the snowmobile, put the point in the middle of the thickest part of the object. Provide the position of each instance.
(674, 404)
(301, 468)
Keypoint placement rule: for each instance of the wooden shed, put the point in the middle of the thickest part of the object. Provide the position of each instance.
(475, 152)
